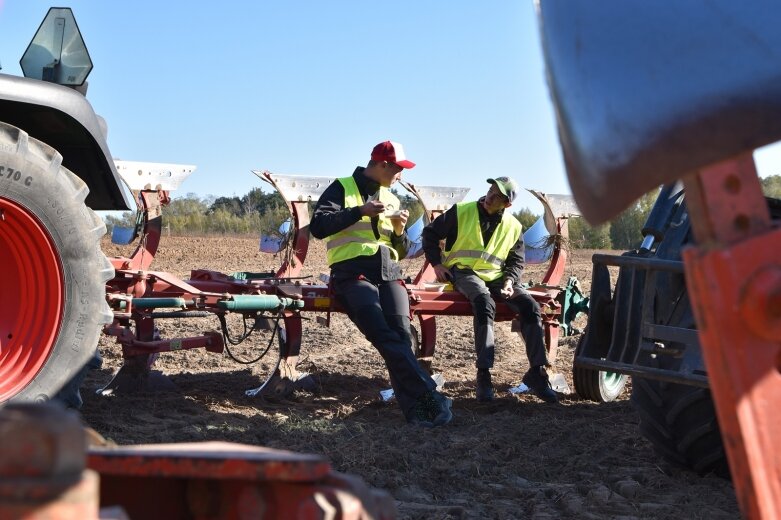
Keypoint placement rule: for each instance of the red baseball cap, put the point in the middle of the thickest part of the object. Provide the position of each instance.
(392, 152)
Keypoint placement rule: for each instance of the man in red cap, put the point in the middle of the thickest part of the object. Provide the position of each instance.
(363, 225)
(484, 258)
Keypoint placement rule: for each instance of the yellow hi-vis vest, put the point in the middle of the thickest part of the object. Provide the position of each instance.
(469, 252)
(358, 239)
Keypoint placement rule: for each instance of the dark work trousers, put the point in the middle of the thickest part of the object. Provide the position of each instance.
(381, 313)
(482, 294)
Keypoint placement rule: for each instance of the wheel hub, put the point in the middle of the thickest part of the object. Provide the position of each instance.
(33, 287)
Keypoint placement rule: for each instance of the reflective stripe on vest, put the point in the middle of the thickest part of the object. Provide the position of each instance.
(469, 252)
(359, 239)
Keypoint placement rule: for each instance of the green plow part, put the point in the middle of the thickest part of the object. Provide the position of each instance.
(154, 303)
(573, 302)
(259, 302)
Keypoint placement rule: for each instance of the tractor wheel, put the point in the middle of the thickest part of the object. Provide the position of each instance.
(597, 385)
(680, 422)
(53, 271)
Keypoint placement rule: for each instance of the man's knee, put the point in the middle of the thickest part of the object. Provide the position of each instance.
(367, 318)
(483, 305)
(401, 324)
(527, 305)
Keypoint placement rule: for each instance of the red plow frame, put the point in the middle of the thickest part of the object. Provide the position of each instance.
(136, 292)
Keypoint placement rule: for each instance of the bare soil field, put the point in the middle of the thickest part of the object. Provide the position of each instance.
(515, 457)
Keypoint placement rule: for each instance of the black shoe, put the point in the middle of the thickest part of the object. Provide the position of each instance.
(484, 389)
(538, 382)
(430, 410)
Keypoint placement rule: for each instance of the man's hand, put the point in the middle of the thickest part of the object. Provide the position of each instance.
(372, 208)
(399, 220)
(443, 273)
(508, 290)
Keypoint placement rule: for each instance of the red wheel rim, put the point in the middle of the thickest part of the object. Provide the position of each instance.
(33, 287)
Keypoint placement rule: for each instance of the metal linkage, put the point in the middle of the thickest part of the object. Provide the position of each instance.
(136, 297)
(625, 335)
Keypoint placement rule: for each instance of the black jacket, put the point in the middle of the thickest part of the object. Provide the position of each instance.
(445, 227)
(331, 216)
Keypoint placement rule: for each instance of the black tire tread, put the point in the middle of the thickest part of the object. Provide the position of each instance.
(87, 268)
(680, 422)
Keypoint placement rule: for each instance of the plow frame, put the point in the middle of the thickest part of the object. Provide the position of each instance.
(136, 294)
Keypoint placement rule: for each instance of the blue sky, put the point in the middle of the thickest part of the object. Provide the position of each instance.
(309, 87)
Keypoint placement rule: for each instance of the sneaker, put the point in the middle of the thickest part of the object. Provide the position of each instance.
(484, 389)
(430, 410)
(538, 382)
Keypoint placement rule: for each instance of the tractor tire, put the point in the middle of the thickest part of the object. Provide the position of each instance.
(597, 385)
(680, 422)
(53, 271)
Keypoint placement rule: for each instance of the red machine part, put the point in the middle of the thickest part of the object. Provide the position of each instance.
(42, 465)
(230, 481)
(291, 265)
(33, 281)
(47, 472)
(734, 280)
(152, 203)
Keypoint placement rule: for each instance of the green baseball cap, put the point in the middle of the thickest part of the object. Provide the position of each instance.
(506, 185)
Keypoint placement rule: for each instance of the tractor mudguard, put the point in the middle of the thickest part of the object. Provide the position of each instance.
(53, 271)
(646, 93)
(63, 118)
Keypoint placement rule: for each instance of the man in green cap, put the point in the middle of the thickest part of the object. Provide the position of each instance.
(484, 259)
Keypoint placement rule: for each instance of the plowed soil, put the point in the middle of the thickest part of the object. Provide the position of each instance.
(513, 458)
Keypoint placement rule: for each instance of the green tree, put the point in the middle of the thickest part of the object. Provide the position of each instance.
(526, 217)
(189, 205)
(187, 215)
(230, 204)
(584, 236)
(259, 201)
(626, 229)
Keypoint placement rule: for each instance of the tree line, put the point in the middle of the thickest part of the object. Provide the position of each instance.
(260, 212)
(256, 212)
(624, 232)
